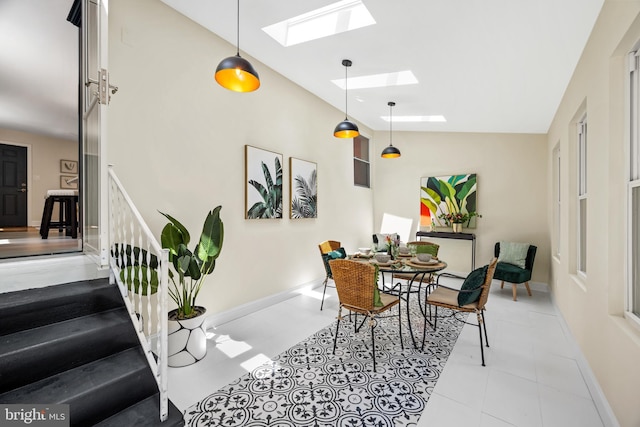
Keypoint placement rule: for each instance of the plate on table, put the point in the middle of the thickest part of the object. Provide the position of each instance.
(361, 255)
(405, 255)
(421, 265)
(383, 264)
(416, 261)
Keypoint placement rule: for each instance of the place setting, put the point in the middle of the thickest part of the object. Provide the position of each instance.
(422, 260)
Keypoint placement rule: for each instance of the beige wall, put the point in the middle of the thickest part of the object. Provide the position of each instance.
(43, 166)
(594, 306)
(511, 171)
(177, 141)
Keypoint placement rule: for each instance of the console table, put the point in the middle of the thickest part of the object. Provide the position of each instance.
(450, 235)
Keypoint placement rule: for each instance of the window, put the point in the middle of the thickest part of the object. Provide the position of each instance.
(557, 200)
(633, 190)
(582, 195)
(361, 166)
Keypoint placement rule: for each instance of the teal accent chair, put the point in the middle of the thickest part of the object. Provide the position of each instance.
(513, 274)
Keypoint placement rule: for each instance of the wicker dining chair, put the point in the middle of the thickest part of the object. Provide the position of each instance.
(356, 283)
(326, 247)
(470, 298)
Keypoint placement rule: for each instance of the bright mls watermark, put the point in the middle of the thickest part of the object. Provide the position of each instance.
(34, 415)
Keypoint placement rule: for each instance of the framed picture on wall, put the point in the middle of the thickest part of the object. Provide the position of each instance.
(303, 189)
(447, 194)
(68, 166)
(262, 183)
(69, 182)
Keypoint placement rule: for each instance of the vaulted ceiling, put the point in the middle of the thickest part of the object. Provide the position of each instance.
(486, 65)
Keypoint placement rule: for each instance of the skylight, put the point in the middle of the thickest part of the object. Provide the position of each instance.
(345, 15)
(398, 78)
(416, 119)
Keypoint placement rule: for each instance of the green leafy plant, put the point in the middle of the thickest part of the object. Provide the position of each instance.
(191, 268)
(271, 204)
(137, 267)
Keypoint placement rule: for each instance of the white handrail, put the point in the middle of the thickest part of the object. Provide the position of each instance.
(136, 258)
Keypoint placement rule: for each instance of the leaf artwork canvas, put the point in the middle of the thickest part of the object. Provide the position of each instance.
(263, 183)
(447, 194)
(303, 188)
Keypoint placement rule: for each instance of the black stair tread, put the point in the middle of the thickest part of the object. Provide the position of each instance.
(30, 308)
(33, 354)
(145, 413)
(94, 391)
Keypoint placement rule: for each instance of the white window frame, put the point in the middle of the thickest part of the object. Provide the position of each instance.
(633, 183)
(581, 261)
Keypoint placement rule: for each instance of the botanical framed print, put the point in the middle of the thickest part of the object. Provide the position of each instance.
(303, 189)
(447, 194)
(69, 182)
(262, 183)
(68, 166)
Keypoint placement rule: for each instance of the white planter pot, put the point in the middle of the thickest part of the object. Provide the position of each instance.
(187, 340)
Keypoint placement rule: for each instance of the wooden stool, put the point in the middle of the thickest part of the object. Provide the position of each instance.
(67, 218)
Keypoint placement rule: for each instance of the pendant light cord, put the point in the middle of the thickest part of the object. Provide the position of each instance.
(346, 91)
(391, 104)
(238, 31)
(390, 125)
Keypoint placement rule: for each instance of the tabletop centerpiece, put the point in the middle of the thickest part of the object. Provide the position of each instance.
(392, 246)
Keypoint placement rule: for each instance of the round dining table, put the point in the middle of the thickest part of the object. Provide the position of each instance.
(413, 272)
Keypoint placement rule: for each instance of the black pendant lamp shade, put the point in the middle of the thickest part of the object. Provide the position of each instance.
(346, 128)
(236, 73)
(390, 152)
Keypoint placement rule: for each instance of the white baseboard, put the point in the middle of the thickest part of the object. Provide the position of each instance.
(602, 404)
(253, 306)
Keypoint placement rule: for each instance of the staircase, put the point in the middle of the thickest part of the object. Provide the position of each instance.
(75, 344)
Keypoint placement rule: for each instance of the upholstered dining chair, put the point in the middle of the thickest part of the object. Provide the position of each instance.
(470, 298)
(515, 264)
(357, 286)
(326, 247)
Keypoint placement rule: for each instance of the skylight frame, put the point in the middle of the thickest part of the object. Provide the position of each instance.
(336, 18)
(436, 118)
(395, 78)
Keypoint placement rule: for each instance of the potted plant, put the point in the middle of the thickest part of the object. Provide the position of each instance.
(187, 338)
(456, 219)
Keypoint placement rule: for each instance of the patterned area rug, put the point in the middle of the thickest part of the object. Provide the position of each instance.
(307, 385)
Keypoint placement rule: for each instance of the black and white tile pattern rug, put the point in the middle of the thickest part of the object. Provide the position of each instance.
(309, 386)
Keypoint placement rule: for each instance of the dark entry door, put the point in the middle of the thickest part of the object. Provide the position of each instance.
(13, 186)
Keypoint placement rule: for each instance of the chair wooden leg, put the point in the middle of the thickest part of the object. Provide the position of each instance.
(514, 288)
(502, 285)
(526, 285)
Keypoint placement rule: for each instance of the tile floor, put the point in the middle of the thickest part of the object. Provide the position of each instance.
(532, 377)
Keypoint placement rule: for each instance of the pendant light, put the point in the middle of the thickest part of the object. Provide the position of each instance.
(236, 73)
(346, 129)
(390, 152)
